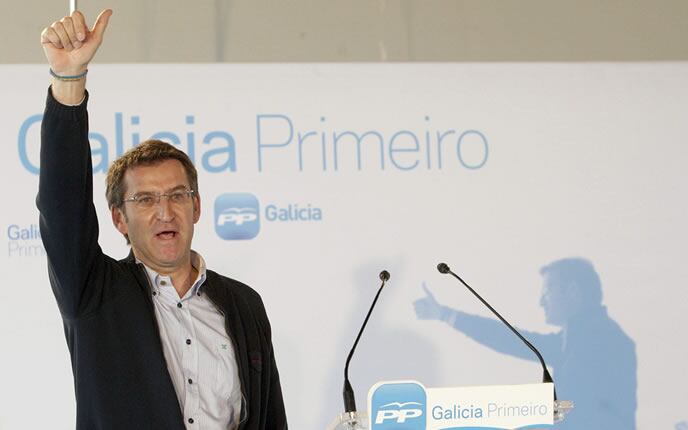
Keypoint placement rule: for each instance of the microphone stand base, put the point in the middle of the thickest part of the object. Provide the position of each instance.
(561, 409)
(350, 421)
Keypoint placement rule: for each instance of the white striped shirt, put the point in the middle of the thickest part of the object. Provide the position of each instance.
(199, 354)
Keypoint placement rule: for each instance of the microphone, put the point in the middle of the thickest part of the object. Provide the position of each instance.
(546, 377)
(349, 400)
(384, 276)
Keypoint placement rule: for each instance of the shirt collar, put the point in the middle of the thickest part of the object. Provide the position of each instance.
(197, 262)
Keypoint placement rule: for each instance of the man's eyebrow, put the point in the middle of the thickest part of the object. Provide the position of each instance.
(169, 190)
(178, 187)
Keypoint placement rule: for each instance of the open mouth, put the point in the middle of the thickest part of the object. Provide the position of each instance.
(165, 235)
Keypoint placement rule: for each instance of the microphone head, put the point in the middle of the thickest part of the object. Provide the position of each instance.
(384, 276)
(443, 268)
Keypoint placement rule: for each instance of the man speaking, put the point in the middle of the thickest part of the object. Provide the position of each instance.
(157, 340)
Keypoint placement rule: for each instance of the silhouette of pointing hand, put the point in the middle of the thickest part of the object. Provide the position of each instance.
(428, 308)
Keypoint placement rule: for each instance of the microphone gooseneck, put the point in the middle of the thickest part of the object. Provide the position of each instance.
(349, 398)
(546, 377)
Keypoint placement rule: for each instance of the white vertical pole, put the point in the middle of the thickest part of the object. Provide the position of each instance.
(72, 6)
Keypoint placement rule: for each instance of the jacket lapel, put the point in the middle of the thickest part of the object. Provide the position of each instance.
(224, 299)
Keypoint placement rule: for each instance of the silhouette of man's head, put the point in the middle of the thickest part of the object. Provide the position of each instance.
(570, 285)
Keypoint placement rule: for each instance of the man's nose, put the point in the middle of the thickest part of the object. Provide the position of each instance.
(164, 209)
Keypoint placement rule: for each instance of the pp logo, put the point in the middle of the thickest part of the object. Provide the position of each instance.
(237, 216)
(398, 406)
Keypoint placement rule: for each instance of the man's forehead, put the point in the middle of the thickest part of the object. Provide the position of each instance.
(164, 175)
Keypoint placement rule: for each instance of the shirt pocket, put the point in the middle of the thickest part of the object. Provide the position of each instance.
(226, 371)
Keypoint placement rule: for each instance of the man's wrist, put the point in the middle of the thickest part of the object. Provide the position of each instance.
(74, 76)
(70, 93)
(70, 70)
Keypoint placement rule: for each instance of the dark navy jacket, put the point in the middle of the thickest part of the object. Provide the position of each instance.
(120, 375)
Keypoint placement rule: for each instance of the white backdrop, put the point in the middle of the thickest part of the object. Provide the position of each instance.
(554, 160)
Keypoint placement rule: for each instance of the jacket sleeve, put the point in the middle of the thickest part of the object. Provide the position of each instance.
(276, 416)
(68, 222)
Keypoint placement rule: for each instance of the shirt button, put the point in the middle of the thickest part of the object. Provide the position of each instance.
(163, 283)
(188, 341)
(191, 421)
(190, 381)
(155, 293)
(179, 305)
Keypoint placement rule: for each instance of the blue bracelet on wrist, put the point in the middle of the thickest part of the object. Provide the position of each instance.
(68, 78)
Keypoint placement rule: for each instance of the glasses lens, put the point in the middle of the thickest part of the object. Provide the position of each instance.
(148, 200)
(178, 197)
(145, 200)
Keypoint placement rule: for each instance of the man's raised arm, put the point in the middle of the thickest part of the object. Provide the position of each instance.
(68, 222)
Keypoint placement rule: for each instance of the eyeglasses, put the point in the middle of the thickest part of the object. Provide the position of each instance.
(149, 200)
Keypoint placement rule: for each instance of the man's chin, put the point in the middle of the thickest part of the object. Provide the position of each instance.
(167, 259)
(166, 255)
(170, 259)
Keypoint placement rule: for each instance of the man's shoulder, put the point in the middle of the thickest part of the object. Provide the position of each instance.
(227, 285)
(235, 296)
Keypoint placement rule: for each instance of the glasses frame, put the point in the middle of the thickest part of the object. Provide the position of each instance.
(136, 199)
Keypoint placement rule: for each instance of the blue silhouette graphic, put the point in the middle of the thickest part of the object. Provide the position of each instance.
(592, 359)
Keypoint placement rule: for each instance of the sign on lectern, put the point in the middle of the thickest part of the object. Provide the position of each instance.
(408, 405)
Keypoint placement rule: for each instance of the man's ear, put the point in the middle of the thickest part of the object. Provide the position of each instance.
(119, 219)
(196, 207)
